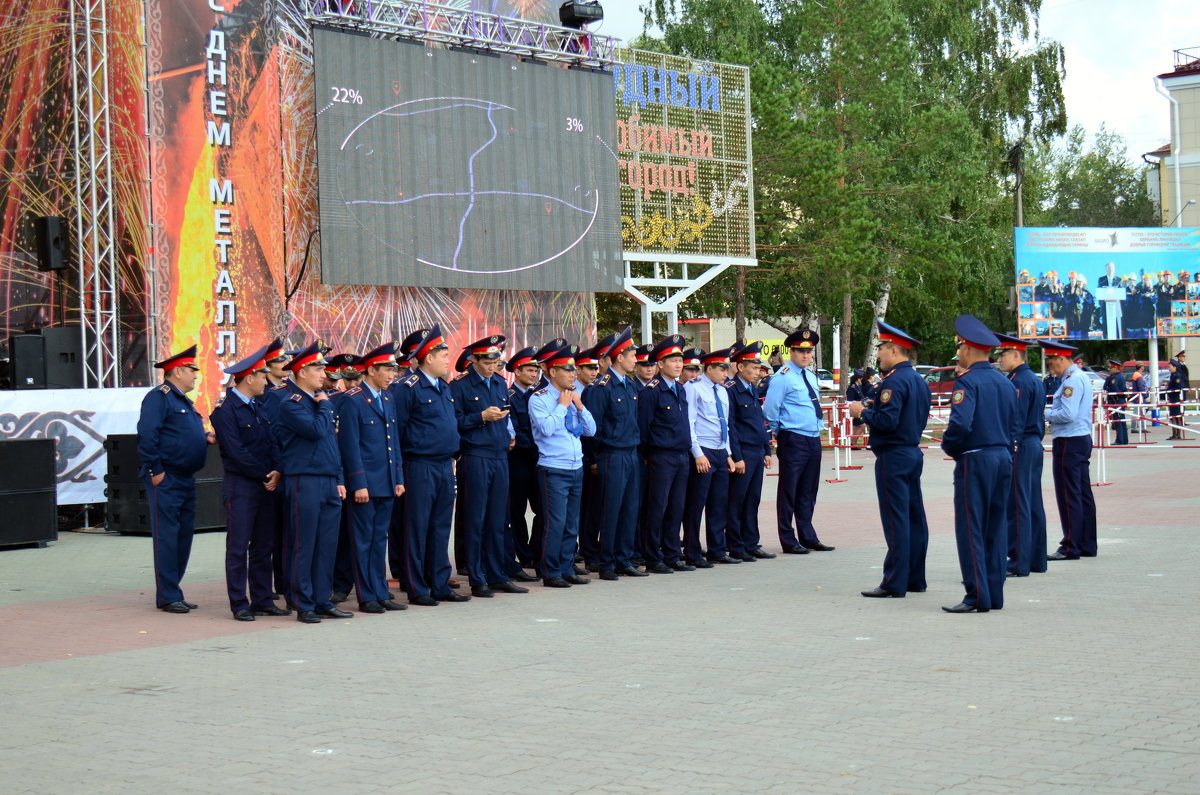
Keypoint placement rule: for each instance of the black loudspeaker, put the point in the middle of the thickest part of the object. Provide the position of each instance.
(64, 357)
(50, 234)
(128, 510)
(28, 492)
(27, 365)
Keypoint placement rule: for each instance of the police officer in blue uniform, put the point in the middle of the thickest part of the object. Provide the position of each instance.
(665, 444)
(1116, 398)
(397, 546)
(277, 378)
(750, 443)
(429, 437)
(559, 418)
(252, 463)
(172, 445)
(980, 436)
(342, 370)
(587, 363)
(522, 467)
(1027, 516)
(373, 467)
(897, 417)
(313, 485)
(612, 400)
(1070, 420)
(793, 411)
(712, 455)
(486, 430)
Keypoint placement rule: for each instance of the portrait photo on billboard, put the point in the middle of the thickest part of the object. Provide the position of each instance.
(1094, 283)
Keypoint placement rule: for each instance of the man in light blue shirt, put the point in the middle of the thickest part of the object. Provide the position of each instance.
(1070, 418)
(708, 482)
(793, 412)
(558, 418)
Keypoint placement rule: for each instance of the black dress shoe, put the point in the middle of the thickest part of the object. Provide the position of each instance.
(699, 564)
(728, 559)
(762, 554)
(1061, 556)
(423, 601)
(308, 617)
(822, 548)
(187, 604)
(796, 551)
(575, 579)
(963, 607)
(631, 571)
(916, 590)
(391, 604)
(333, 612)
(592, 568)
(370, 607)
(609, 575)
(243, 615)
(482, 591)
(1015, 574)
(679, 565)
(523, 577)
(507, 587)
(174, 607)
(454, 584)
(461, 571)
(337, 597)
(272, 610)
(660, 568)
(880, 593)
(580, 571)
(747, 557)
(556, 582)
(453, 597)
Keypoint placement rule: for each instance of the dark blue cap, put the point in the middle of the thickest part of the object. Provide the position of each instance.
(670, 345)
(620, 343)
(520, 358)
(591, 356)
(804, 338)
(553, 346)
(746, 352)
(972, 331)
(889, 333)
(254, 363)
(463, 361)
(693, 357)
(310, 354)
(488, 347)
(604, 343)
(645, 354)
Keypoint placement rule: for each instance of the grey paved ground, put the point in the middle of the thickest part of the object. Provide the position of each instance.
(773, 676)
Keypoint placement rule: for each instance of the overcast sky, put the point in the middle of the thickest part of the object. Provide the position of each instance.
(1114, 50)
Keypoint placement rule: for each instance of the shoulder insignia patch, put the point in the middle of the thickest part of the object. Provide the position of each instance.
(787, 368)
(166, 390)
(653, 383)
(412, 380)
(279, 387)
(512, 392)
(885, 396)
(695, 380)
(354, 391)
(296, 398)
(543, 391)
(1068, 391)
(957, 397)
(729, 384)
(603, 380)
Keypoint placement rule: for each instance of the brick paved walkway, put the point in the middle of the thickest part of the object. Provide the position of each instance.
(772, 676)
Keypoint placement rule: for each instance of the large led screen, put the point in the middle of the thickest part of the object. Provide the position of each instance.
(443, 168)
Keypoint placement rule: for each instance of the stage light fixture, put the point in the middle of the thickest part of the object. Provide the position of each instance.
(576, 15)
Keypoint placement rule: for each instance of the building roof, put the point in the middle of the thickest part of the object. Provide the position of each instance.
(1187, 61)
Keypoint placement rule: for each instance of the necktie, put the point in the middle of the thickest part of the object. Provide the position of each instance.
(721, 415)
(572, 422)
(254, 407)
(812, 394)
(437, 385)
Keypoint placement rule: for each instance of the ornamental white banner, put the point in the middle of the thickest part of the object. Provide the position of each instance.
(78, 420)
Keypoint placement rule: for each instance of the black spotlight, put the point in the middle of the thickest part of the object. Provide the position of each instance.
(576, 15)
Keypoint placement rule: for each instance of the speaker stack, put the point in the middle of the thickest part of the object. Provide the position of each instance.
(28, 492)
(128, 509)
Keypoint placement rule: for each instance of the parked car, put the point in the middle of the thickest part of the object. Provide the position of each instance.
(825, 381)
(924, 369)
(940, 380)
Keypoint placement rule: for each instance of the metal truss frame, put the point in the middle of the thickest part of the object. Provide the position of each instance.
(677, 290)
(95, 243)
(445, 24)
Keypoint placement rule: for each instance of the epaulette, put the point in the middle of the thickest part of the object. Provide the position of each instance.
(412, 380)
(729, 384)
(296, 398)
(354, 391)
(785, 369)
(460, 376)
(166, 390)
(695, 380)
(543, 391)
(512, 391)
(220, 403)
(279, 387)
(653, 382)
(602, 380)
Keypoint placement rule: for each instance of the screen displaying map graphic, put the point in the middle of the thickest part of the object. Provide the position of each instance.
(443, 168)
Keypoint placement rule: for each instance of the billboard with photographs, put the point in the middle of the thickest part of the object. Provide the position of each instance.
(1096, 283)
(683, 154)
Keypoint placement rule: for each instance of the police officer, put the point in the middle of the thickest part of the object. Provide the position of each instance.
(587, 363)
(612, 400)
(522, 467)
(793, 411)
(313, 485)
(1070, 419)
(1117, 400)
(645, 368)
(373, 467)
(397, 546)
(1174, 395)
(429, 437)
(486, 430)
(173, 446)
(665, 445)
(712, 453)
(277, 378)
(897, 417)
(252, 464)
(559, 418)
(750, 444)
(343, 371)
(980, 437)
(1027, 516)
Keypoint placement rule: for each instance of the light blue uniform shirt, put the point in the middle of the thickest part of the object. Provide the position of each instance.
(703, 418)
(789, 406)
(1070, 414)
(558, 447)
